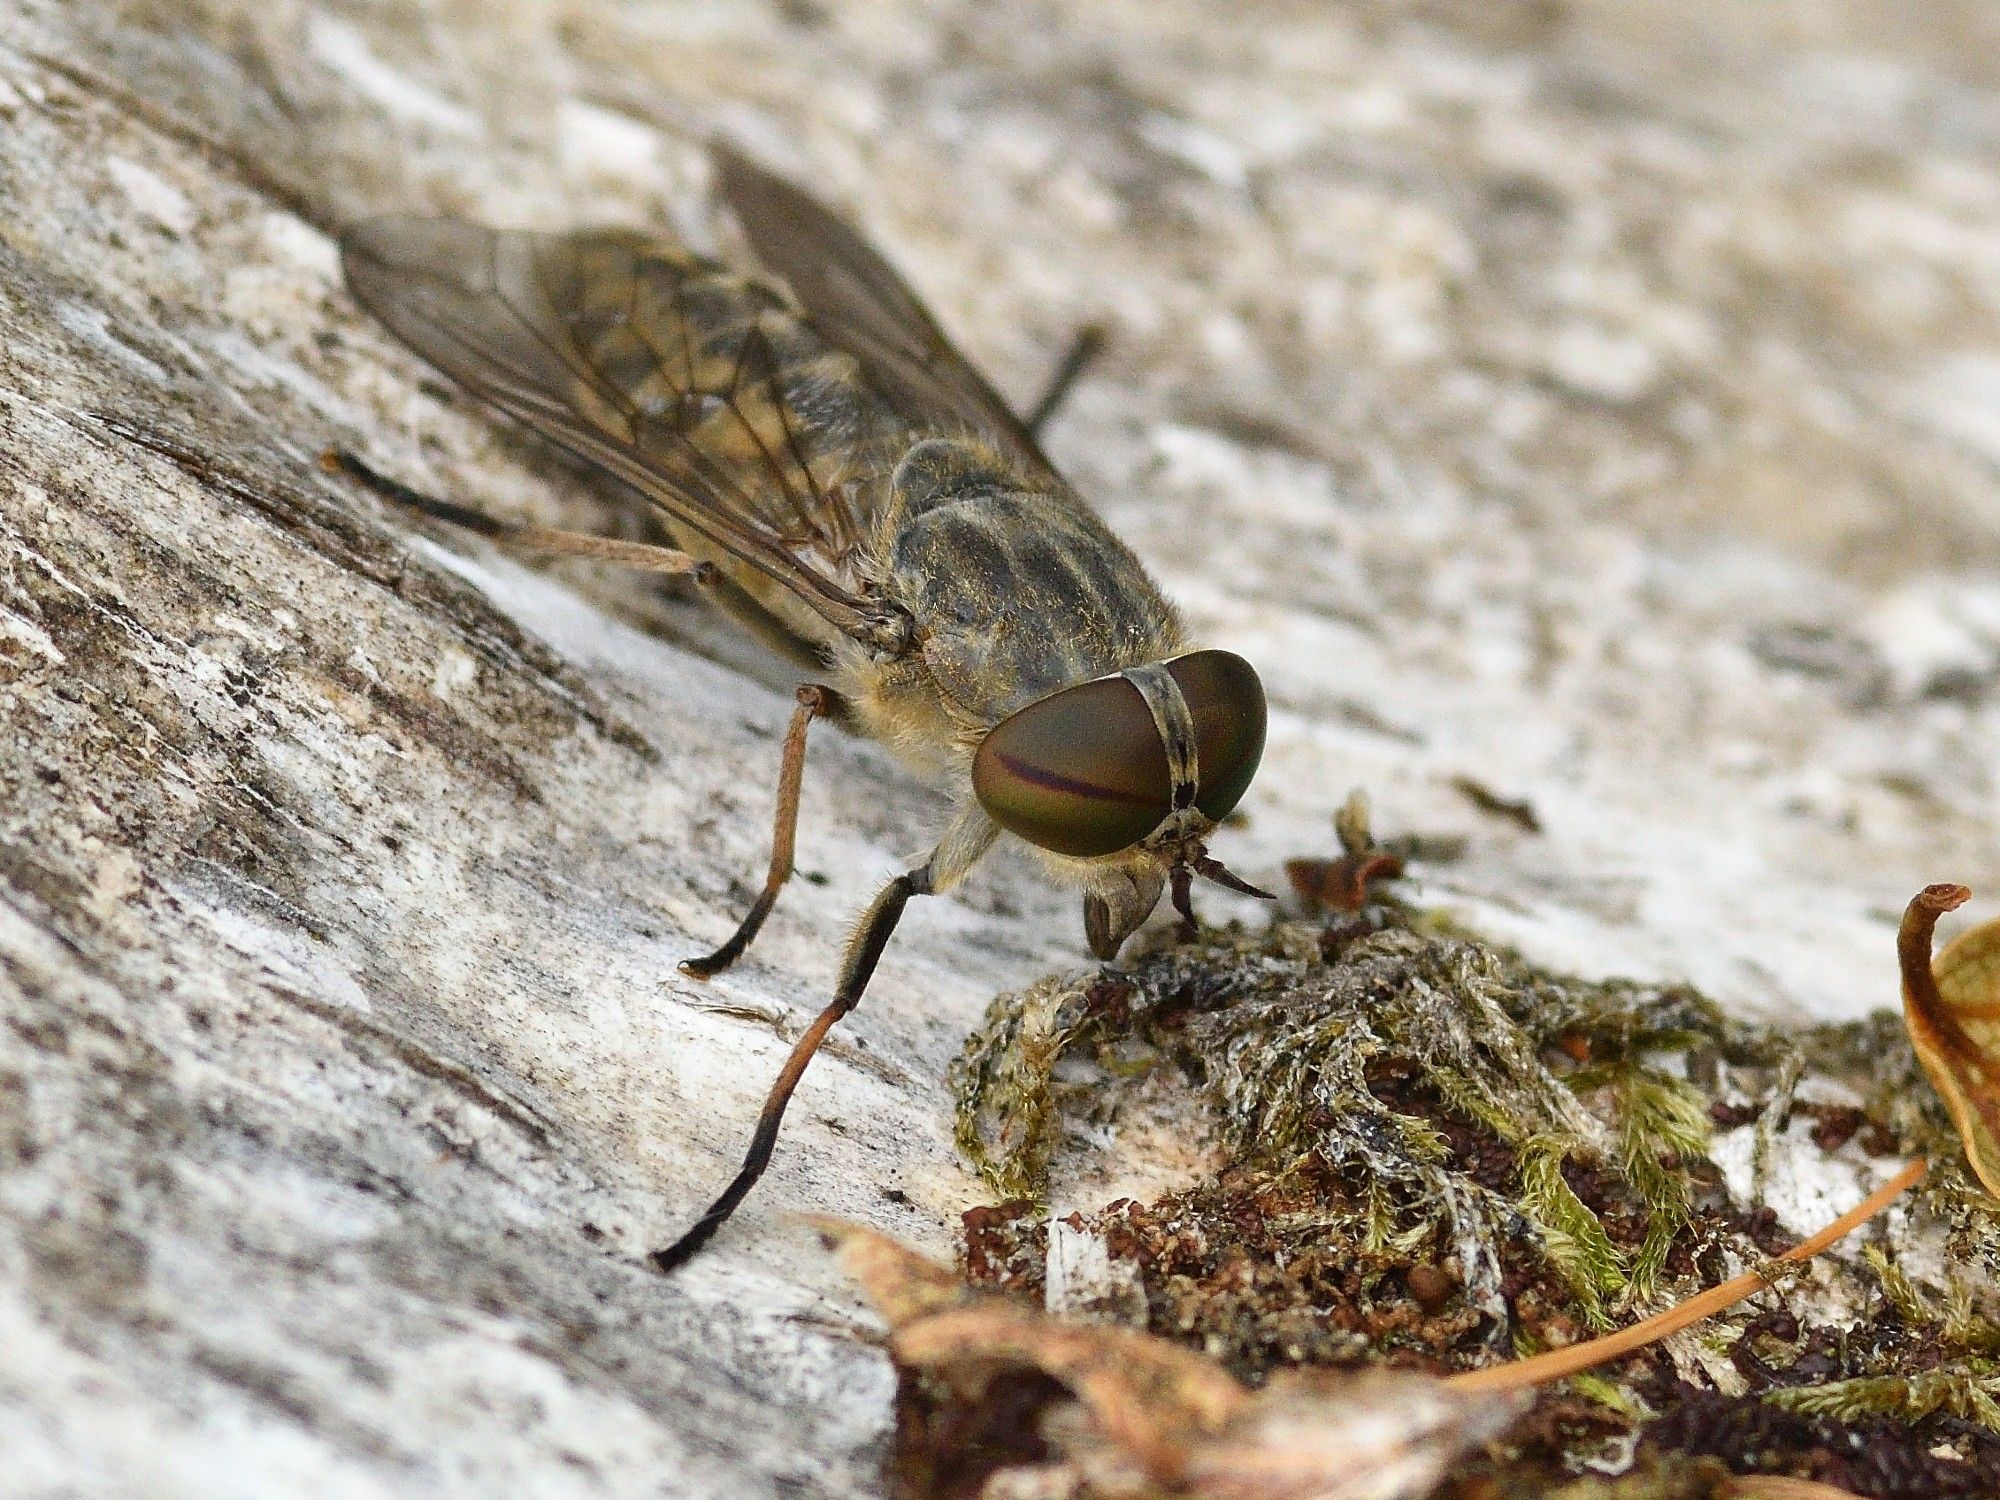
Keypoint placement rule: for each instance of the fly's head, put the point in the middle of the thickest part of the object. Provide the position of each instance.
(1128, 775)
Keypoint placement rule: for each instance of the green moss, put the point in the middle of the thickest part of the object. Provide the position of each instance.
(1008, 1118)
(1440, 1153)
(1910, 1304)
(1967, 1392)
(1607, 1392)
(1387, 1063)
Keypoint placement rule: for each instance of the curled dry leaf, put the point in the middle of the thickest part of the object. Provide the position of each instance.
(1952, 1007)
(1375, 1435)
(1147, 1397)
(1343, 884)
(905, 1287)
(1147, 1417)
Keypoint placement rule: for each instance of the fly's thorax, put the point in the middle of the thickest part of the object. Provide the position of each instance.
(897, 703)
(1016, 588)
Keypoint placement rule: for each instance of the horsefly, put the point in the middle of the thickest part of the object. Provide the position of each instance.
(838, 479)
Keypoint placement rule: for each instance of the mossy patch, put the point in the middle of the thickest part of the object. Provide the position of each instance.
(1440, 1154)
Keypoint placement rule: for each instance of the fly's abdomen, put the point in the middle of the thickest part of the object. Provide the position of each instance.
(715, 367)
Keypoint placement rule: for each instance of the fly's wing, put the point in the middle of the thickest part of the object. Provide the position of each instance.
(857, 302)
(685, 382)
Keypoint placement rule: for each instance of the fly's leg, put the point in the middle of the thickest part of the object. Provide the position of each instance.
(1183, 886)
(814, 701)
(1081, 355)
(641, 555)
(857, 966)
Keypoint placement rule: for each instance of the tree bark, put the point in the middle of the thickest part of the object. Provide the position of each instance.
(1597, 410)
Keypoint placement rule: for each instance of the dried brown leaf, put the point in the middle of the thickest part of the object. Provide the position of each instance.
(1375, 1435)
(1341, 884)
(1952, 1007)
(1781, 1487)
(1147, 1397)
(903, 1285)
(1149, 1416)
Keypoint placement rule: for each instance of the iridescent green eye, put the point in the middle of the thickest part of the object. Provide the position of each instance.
(1081, 773)
(1226, 702)
(1084, 772)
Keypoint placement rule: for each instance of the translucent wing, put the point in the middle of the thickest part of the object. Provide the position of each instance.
(857, 302)
(695, 387)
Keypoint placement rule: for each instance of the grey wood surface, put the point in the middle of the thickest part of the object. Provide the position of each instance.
(1599, 402)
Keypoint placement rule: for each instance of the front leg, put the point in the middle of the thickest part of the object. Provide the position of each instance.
(814, 701)
(857, 966)
(644, 556)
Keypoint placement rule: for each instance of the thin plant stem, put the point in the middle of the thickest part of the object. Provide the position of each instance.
(1560, 1363)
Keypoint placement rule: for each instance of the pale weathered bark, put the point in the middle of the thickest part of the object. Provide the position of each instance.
(1601, 406)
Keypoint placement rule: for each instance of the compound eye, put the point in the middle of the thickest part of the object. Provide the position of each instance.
(1082, 772)
(1226, 702)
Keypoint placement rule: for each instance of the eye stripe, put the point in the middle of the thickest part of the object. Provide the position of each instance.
(1056, 782)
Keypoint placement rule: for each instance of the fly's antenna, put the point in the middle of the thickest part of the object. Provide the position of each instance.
(1214, 869)
(1198, 863)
